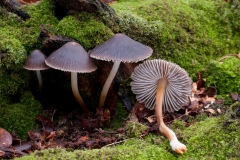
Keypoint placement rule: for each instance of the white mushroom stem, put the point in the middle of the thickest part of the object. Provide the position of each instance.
(74, 84)
(39, 77)
(167, 132)
(108, 83)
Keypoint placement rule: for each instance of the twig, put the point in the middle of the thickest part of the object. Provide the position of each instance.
(229, 55)
(114, 143)
(102, 131)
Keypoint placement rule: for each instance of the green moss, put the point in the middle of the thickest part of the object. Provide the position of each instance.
(189, 33)
(84, 28)
(12, 50)
(135, 129)
(119, 118)
(210, 139)
(13, 54)
(20, 117)
(41, 13)
(224, 75)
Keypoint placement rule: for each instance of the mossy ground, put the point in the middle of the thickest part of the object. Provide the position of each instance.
(189, 33)
(224, 75)
(213, 138)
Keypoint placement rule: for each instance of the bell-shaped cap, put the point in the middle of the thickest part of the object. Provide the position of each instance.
(121, 48)
(71, 57)
(35, 61)
(145, 82)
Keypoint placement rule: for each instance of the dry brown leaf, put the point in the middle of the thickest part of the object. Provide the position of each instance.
(219, 111)
(5, 138)
(2, 153)
(84, 138)
(194, 87)
(211, 111)
(151, 119)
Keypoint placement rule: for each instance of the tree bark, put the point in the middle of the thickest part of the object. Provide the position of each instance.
(14, 6)
(71, 6)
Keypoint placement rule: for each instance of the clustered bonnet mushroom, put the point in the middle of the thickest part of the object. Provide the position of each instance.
(72, 57)
(119, 48)
(35, 61)
(165, 87)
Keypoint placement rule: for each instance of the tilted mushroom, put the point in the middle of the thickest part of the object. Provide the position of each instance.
(119, 48)
(35, 61)
(72, 57)
(165, 87)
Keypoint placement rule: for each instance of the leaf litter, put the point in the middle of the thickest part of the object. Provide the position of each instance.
(75, 131)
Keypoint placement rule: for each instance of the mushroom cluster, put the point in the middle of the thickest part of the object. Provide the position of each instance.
(71, 57)
(164, 87)
(119, 48)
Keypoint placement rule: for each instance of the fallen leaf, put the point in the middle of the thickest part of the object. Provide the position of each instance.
(151, 119)
(2, 153)
(194, 105)
(234, 96)
(47, 124)
(210, 92)
(5, 138)
(219, 111)
(51, 135)
(84, 138)
(200, 81)
(194, 87)
(211, 111)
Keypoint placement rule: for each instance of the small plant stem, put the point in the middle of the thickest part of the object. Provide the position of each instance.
(74, 83)
(158, 109)
(39, 77)
(108, 83)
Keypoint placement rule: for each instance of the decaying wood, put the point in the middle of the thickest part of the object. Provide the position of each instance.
(14, 6)
(52, 42)
(72, 6)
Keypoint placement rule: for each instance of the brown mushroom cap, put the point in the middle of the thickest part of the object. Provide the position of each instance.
(145, 82)
(35, 61)
(121, 48)
(71, 57)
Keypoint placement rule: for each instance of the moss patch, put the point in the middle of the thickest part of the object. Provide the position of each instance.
(189, 33)
(20, 117)
(224, 75)
(84, 28)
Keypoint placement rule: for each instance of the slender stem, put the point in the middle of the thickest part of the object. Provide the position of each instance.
(167, 132)
(39, 77)
(108, 83)
(158, 110)
(74, 83)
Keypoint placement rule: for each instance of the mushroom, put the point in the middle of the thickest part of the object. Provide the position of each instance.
(35, 61)
(72, 57)
(119, 48)
(165, 87)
